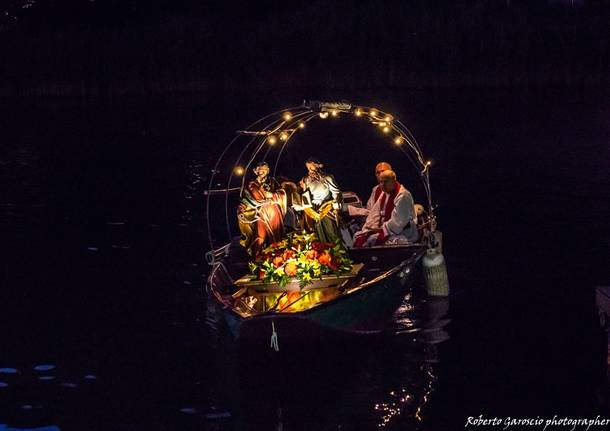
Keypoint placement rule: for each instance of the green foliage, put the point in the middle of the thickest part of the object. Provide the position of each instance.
(301, 257)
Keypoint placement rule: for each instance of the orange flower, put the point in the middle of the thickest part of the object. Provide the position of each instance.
(261, 275)
(311, 254)
(288, 254)
(278, 261)
(291, 269)
(325, 258)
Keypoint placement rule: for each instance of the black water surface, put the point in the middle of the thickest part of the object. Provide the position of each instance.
(102, 225)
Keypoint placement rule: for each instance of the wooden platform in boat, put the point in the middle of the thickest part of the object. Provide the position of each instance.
(326, 281)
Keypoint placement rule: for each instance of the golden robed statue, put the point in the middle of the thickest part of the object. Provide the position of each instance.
(321, 202)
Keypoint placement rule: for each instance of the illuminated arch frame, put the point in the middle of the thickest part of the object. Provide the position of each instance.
(279, 127)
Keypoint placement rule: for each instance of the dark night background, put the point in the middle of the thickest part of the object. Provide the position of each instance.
(113, 113)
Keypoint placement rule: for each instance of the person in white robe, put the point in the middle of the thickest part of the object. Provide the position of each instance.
(375, 193)
(392, 219)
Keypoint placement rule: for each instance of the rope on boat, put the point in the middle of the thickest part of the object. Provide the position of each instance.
(274, 344)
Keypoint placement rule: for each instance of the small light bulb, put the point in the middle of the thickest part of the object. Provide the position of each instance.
(429, 162)
(238, 170)
(382, 124)
(323, 115)
(386, 129)
(334, 112)
(358, 112)
(388, 118)
(398, 140)
(373, 112)
(272, 140)
(301, 125)
(283, 136)
(287, 116)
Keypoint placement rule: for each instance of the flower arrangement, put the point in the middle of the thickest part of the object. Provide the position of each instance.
(300, 256)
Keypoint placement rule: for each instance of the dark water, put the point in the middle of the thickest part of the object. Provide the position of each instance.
(103, 235)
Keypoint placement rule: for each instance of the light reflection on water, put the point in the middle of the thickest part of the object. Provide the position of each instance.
(396, 369)
(32, 400)
(408, 402)
(423, 320)
(46, 367)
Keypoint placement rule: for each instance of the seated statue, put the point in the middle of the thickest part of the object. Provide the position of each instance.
(321, 200)
(261, 211)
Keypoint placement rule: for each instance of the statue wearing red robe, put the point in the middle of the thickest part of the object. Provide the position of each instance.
(261, 212)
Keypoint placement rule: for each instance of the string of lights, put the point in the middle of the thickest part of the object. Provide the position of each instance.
(281, 126)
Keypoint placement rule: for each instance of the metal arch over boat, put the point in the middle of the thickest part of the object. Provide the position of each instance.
(283, 124)
(380, 277)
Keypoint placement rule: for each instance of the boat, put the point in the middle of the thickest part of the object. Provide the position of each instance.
(355, 302)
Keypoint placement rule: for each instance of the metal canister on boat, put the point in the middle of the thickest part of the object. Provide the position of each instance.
(435, 273)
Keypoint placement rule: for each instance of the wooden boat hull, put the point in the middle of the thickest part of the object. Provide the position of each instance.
(360, 309)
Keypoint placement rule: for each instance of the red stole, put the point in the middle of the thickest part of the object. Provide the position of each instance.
(361, 239)
(378, 191)
(390, 205)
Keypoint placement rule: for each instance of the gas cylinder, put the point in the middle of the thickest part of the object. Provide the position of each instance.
(435, 273)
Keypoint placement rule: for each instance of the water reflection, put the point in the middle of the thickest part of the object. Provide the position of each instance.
(384, 380)
(408, 402)
(424, 321)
